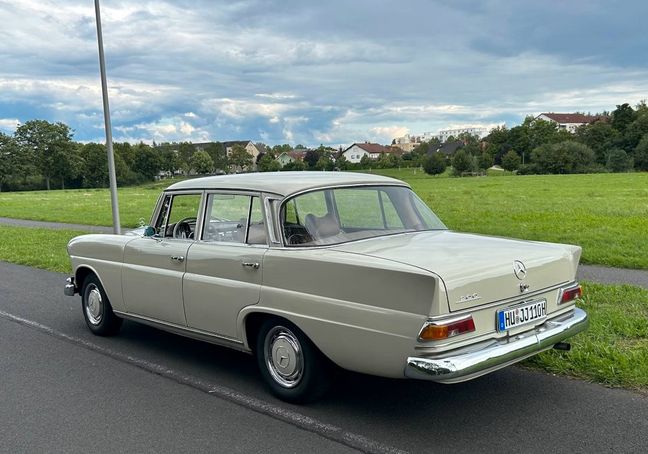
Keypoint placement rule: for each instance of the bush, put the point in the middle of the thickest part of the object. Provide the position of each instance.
(527, 169)
(463, 162)
(563, 157)
(511, 161)
(618, 161)
(435, 164)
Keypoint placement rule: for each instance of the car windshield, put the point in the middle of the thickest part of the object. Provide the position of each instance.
(339, 215)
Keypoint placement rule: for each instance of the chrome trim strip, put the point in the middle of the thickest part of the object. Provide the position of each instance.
(187, 332)
(474, 361)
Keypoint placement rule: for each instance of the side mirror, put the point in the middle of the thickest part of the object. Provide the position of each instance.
(149, 231)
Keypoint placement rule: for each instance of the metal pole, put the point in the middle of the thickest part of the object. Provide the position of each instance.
(109, 143)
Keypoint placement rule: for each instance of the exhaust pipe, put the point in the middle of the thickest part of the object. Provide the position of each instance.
(564, 346)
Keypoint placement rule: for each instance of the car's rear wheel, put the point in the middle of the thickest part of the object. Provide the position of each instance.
(97, 311)
(293, 368)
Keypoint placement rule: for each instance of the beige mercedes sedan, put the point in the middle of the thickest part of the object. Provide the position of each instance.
(309, 271)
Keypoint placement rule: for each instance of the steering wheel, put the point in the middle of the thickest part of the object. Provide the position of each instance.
(182, 228)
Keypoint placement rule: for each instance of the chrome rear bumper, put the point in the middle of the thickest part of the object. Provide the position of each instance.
(470, 364)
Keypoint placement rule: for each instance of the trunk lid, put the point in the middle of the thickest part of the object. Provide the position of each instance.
(476, 269)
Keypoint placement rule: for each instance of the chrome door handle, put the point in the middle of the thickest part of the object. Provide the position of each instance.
(177, 258)
(253, 265)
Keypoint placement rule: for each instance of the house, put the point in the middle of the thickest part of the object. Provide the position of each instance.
(355, 152)
(568, 121)
(448, 148)
(291, 156)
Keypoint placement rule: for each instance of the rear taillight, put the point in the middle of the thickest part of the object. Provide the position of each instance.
(570, 294)
(445, 329)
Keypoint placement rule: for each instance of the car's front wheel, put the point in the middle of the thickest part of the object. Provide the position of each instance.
(294, 369)
(97, 310)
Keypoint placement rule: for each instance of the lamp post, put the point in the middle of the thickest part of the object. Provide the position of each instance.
(109, 143)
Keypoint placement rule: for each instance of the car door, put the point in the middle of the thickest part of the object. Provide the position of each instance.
(154, 266)
(224, 268)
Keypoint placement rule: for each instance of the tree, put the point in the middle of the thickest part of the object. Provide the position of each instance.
(9, 156)
(634, 132)
(641, 154)
(185, 152)
(95, 166)
(485, 160)
(324, 163)
(147, 161)
(294, 165)
(267, 163)
(600, 137)
(240, 159)
(342, 162)
(618, 161)
(622, 116)
(311, 157)
(435, 163)
(462, 162)
(511, 161)
(366, 162)
(52, 148)
(564, 157)
(218, 154)
(201, 162)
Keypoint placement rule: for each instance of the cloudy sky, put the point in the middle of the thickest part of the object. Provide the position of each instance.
(312, 72)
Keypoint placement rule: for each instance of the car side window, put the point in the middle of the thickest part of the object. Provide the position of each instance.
(228, 216)
(178, 216)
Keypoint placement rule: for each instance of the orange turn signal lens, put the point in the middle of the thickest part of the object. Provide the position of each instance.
(444, 330)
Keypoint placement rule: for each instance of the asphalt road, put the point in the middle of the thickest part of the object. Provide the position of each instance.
(65, 390)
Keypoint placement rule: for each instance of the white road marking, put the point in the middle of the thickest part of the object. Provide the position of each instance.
(294, 418)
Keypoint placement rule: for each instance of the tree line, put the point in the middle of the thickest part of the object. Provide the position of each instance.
(42, 155)
(615, 142)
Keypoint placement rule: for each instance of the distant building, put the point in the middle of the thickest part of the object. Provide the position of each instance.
(248, 145)
(356, 151)
(568, 121)
(444, 134)
(407, 143)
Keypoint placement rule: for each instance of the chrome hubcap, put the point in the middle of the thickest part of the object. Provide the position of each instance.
(93, 304)
(283, 357)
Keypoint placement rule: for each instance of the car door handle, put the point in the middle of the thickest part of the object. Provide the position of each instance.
(253, 265)
(177, 258)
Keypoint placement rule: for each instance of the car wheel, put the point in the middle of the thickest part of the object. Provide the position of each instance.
(293, 368)
(97, 310)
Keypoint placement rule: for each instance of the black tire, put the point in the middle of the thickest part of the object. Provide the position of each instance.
(96, 308)
(307, 373)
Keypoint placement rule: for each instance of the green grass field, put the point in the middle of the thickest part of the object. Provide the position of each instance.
(614, 350)
(606, 214)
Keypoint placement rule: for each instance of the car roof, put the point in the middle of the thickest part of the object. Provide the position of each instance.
(284, 183)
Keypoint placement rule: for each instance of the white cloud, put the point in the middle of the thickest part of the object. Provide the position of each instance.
(201, 70)
(9, 124)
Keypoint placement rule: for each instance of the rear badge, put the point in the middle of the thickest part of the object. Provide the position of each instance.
(519, 269)
(524, 288)
(467, 298)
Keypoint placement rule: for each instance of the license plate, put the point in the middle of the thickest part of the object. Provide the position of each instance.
(523, 314)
